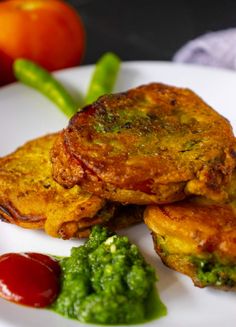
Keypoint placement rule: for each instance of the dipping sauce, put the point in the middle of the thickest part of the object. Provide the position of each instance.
(31, 279)
(107, 281)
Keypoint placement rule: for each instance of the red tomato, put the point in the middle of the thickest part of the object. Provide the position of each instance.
(49, 32)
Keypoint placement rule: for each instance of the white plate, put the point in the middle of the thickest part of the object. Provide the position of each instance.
(25, 114)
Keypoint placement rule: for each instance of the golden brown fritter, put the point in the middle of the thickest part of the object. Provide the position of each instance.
(198, 238)
(151, 144)
(123, 216)
(30, 198)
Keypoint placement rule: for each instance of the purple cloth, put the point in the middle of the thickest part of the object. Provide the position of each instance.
(213, 49)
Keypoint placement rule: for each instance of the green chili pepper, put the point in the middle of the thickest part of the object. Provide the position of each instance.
(35, 76)
(104, 77)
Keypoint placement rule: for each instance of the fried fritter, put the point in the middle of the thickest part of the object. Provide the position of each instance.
(30, 198)
(197, 237)
(151, 144)
(123, 216)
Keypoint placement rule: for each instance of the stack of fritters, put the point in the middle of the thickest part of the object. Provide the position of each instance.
(30, 198)
(153, 145)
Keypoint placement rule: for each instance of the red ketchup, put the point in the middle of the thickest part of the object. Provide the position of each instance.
(29, 278)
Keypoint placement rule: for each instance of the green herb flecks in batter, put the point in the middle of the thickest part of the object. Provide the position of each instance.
(211, 272)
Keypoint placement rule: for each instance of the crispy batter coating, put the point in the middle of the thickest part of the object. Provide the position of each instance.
(151, 144)
(30, 198)
(198, 238)
(123, 216)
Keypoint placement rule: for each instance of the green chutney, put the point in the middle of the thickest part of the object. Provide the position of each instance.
(107, 281)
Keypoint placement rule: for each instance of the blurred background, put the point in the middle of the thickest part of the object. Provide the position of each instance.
(150, 29)
(51, 33)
